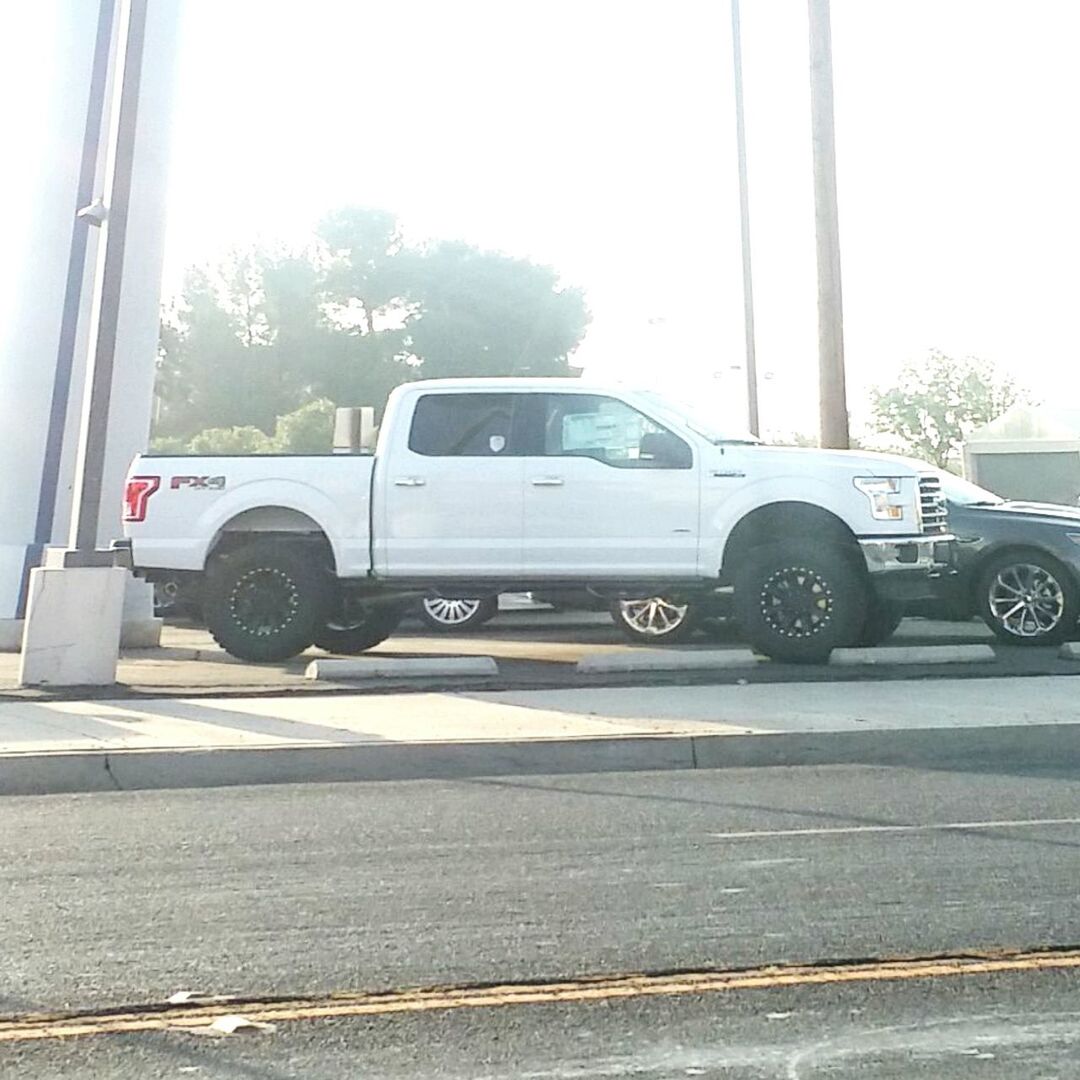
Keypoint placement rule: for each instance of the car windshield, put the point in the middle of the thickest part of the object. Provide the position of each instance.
(704, 423)
(965, 493)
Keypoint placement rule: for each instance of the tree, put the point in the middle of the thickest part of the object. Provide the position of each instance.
(234, 440)
(347, 319)
(308, 430)
(483, 313)
(936, 404)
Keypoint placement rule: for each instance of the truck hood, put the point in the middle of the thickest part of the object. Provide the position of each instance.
(796, 460)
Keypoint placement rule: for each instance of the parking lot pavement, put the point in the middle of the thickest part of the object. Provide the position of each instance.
(533, 650)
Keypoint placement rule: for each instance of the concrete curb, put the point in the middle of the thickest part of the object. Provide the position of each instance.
(968, 748)
(668, 660)
(913, 654)
(405, 667)
(1070, 650)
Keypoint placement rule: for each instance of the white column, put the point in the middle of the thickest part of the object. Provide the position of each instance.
(34, 272)
(30, 336)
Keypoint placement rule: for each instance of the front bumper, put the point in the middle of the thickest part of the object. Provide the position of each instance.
(908, 568)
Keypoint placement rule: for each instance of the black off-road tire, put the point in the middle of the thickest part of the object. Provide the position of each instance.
(883, 617)
(264, 602)
(796, 602)
(1047, 577)
(365, 628)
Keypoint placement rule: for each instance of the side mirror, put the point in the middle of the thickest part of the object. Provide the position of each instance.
(666, 451)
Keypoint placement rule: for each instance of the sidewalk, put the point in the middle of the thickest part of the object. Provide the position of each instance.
(192, 742)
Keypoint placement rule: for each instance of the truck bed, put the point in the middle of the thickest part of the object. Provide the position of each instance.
(185, 503)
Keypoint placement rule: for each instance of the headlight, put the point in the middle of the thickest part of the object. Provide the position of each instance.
(883, 492)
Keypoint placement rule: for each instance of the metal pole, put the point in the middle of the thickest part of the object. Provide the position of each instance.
(744, 222)
(833, 389)
(92, 442)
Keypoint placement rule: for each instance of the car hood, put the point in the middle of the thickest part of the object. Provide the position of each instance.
(1050, 513)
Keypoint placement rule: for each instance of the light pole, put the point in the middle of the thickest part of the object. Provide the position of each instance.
(832, 382)
(744, 224)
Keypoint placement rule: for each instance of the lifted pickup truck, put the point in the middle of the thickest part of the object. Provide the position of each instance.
(479, 486)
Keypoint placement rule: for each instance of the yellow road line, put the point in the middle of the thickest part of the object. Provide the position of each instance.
(599, 988)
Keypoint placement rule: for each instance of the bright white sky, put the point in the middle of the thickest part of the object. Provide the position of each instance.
(597, 136)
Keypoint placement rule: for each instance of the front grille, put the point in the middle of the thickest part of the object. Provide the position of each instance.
(932, 509)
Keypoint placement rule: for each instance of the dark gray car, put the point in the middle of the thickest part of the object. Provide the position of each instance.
(1017, 565)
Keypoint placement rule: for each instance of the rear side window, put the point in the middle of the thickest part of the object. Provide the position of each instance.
(464, 425)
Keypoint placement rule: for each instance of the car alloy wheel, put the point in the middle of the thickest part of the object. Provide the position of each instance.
(653, 616)
(1026, 600)
(451, 612)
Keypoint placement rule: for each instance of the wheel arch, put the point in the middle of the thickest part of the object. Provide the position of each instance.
(778, 521)
(1012, 549)
(284, 523)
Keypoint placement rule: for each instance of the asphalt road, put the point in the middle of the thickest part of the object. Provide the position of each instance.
(125, 899)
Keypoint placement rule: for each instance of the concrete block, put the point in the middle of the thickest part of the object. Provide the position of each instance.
(667, 660)
(913, 654)
(141, 633)
(72, 632)
(1070, 650)
(381, 667)
(11, 633)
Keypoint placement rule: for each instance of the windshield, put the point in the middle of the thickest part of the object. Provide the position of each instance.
(965, 493)
(701, 421)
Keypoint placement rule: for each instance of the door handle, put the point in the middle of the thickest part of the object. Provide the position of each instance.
(547, 481)
(410, 481)
(722, 474)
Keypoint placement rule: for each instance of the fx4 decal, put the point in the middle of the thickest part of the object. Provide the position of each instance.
(203, 483)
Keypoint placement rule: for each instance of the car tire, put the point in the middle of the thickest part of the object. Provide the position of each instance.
(655, 620)
(446, 613)
(798, 602)
(364, 627)
(883, 617)
(1047, 601)
(265, 602)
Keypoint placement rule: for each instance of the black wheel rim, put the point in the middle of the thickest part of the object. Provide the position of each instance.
(796, 602)
(263, 602)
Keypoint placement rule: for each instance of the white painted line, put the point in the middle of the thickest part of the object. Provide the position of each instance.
(914, 654)
(667, 660)
(850, 830)
(1070, 650)
(381, 667)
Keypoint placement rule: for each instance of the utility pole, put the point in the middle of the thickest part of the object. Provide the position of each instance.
(744, 223)
(833, 388)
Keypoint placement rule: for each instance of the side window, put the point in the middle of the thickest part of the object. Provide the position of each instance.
(589, 425)
(463, 425)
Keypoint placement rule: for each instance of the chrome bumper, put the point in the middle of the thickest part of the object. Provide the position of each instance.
(889, 555)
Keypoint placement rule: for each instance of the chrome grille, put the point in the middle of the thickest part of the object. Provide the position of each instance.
(932, 510)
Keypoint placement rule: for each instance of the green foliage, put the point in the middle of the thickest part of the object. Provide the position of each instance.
(348, 319)
(168, 444)
(232, 440)
(308, 430)
(936, 404)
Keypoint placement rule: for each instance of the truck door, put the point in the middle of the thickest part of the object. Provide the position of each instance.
(611, 493)
(451, 490)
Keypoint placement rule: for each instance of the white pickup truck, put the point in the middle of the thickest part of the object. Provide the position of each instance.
(478, 486)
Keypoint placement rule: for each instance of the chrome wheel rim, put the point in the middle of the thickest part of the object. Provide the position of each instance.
(796, 602)
(1026, 600)
(451, 612)
(653, 616)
